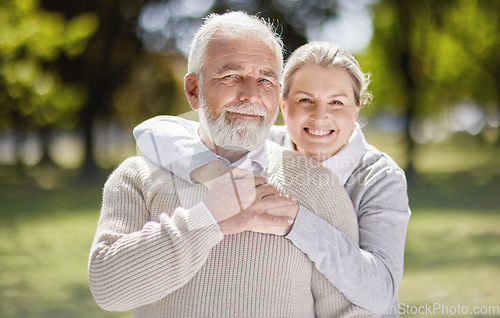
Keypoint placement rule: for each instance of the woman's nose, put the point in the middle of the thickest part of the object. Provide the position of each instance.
(319, 111)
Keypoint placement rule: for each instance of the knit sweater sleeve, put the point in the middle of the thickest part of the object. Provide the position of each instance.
(170, 142)
(368, 275)
(136, 260)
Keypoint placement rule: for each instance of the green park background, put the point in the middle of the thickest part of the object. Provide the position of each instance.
(77, 76)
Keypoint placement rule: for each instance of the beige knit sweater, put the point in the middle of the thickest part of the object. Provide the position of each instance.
(158, 251)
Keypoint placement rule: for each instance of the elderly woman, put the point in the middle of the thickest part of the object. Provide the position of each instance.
(323, 91)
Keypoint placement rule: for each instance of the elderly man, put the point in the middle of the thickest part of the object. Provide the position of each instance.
(166, 247)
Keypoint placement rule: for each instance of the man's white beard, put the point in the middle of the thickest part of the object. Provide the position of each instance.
(236, 134)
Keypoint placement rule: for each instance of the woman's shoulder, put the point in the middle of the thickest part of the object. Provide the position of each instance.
(377, 158)
(376, 164)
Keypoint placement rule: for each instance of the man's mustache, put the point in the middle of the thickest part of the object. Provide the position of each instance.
(246, 108)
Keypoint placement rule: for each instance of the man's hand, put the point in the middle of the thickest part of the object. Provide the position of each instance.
(280, 229)
(271, 214)
(241, 202)
(232, 192)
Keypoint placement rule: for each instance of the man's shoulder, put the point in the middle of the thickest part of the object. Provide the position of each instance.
(141, 168)
(137, 162)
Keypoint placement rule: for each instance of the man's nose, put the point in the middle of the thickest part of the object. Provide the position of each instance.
(249, 91)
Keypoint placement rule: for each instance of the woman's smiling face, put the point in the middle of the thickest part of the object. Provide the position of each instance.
(320, 110)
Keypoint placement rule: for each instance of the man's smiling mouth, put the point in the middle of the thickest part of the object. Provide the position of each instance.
(244, 115)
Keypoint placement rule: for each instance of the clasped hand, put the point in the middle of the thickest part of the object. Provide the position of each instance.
(241, 202)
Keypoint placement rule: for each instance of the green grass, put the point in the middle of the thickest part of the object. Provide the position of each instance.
(45, 238)
(452, 251)
(453, 241)
(452, 257)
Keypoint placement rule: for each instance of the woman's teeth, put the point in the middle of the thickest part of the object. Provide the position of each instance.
(318, 132)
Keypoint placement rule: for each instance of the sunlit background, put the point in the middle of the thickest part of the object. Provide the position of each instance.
(77, 76)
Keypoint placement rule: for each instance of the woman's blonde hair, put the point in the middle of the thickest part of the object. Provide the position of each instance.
(327, 54)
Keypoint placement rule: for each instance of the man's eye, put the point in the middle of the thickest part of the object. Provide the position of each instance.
(336, 103)
(269, 80)
(305, 100)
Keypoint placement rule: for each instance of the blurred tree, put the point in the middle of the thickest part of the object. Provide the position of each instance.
(166, 28)
(130, 83)
(170, 24)
(69, 63)
(33, 94)
(101, 67)
(428, 54)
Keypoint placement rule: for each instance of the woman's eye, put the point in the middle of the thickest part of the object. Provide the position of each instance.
(305, 100)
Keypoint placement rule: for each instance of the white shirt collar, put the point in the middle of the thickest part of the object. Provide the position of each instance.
(255, 160)
(347, 158)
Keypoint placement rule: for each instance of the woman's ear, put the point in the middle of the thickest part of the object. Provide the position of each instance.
(283, 106)
(358, 109)
(191, 90)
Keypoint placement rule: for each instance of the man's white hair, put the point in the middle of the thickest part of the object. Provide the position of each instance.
(232, 24)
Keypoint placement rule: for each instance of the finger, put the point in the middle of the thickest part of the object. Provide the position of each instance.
(259, 181)
(266, 190)
(274, 201)
(250, 182)
(269, 220)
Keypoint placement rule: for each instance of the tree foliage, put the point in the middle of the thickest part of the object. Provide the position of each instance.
(64, 63)
(33, 92)
(449, 49)
(428, 55)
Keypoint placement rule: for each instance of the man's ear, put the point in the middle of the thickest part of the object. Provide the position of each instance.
(191, 90)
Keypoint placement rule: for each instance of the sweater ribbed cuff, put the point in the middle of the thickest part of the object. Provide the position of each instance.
(305, 230)
(199, 217)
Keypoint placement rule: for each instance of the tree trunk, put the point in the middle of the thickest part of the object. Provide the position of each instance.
(89, 170)
(101, 77)
(406, 61)
(45, 139)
